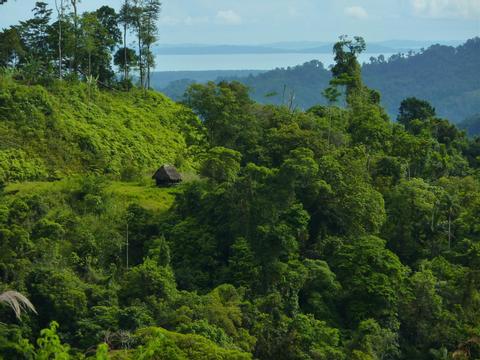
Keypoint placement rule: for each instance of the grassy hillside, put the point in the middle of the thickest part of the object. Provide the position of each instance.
(64, 130)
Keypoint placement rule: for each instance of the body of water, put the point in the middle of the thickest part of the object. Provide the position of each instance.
(243, 61)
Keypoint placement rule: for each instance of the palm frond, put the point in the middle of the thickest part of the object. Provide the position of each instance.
(17, 302)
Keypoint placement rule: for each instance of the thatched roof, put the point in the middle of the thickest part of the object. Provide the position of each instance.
(167, 173)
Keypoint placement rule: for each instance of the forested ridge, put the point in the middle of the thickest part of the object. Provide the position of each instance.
(446, 76)
(329, 234)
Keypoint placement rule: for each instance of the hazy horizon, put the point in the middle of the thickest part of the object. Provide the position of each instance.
(253, 22)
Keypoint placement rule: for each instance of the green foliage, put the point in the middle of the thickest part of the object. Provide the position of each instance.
(61, 132)
(329, 234)
(102, 352)
(149, 279)
(50, 346)
(414, 109)
(222, 109)
(370, 341)
(372, 277)
(162, 344)
(221, 165)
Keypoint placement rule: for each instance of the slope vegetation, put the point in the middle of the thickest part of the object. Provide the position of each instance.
(64, 130)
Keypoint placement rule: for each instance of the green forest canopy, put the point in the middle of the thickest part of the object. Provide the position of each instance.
(332, 233)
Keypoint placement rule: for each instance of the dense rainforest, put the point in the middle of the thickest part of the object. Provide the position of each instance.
(446, 76)
(328, 234)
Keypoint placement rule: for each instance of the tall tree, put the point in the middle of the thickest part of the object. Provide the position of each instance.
(151, 13)
(11, 48)
(347, 70)
(136, 13)
(125, 19)
(125, 59)
(60, 6)
(34, 32)
(89, 28)
(100, 36)
(74, 4)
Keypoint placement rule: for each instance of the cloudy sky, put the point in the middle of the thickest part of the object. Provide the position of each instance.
(264, 21)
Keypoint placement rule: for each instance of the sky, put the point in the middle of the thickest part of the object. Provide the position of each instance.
(269, 21)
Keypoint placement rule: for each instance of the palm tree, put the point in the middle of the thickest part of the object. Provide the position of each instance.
(17, 302)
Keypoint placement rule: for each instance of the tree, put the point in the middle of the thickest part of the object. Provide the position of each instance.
(414, 109)
(136, 17)
(225, 108)
(90, 26)
(100, 36)
(125, 59)
(243, 270)
(11, 48)
(371, 341)
(60, 6)
(34, 36)
(410, 230)
(151, 13)
(331, 94)
(149, 279)
(125, 19)
(221, 165)
(76, 34)
(373, 280)
(346, 71)
(108, 37)
(320, 292)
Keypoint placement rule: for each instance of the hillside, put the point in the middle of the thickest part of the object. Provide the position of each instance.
(328, 234)
(299, 240)
(334, 233)
(446, 76)
(71, 130)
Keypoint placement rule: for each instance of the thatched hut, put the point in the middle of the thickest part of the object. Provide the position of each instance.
(167, 175)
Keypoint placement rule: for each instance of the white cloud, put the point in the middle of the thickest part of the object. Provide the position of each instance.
(229, 17)
(447, 8)
(356, 12)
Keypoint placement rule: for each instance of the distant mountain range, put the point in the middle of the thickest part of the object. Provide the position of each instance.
(300, 47)
(446, 76)
(162, 79)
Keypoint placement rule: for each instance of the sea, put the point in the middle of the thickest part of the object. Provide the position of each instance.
(244, 61)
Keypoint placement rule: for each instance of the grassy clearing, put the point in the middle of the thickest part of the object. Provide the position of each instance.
(148, 197)
(123, 193)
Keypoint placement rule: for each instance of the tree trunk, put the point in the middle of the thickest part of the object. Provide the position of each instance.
(140, 60)
(75, 35)
(60, 19)
(148, 68)
(140, 54)
(125, 65)
(125, 28)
